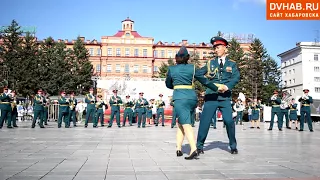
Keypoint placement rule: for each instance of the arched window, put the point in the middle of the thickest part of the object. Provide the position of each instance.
(127, 26)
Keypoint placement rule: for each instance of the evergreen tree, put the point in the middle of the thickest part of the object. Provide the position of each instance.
(255, 71)
(163, 69)
(272, 78)
(82, 67)
(194, 59)
(10, 49)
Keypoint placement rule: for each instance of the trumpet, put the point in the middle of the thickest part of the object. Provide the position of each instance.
(72, 106)
(98, 103)
(305, 97)
(13, 103)
(274, 97)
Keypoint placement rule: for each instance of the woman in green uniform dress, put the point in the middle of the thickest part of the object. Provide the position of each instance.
(255, 114)
(180, 77)
(293, 116)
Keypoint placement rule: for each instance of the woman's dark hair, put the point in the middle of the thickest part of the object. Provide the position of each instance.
(182, 60)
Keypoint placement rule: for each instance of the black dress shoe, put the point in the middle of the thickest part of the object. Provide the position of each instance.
(10, 127)
(179, 153)
(234, 151)
(301, 130)
(194, 155)
(280, 129)
(258, 127)
(288, 127)
(102, 125)
(311, 130)
(109, 126)
(15, 126)
(214, 127)
(251, 127)
(270, 129)
(200, 151)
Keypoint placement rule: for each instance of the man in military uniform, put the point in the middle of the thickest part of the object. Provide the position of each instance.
(100, 113)
(45, 107)
(284, 111)
(128, 112)
(225, 74)
(174, 115)
(160, 110)
(5, 108)
(14, 113)
(275, 110)
(141, 109)
(115, 102)
(63, 110)
(91, 109)
(305, 110)
(72, 109)
(38, 109)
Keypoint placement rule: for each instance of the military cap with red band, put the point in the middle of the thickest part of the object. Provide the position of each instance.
(306, 90)
(215, 41)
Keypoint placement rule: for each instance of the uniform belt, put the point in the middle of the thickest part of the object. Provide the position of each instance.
(100, 108)
(5, 102)
(292, 109)
(141, 106)
(63, 105)
(115, 104)
(276, 105)
(92, 103)
(305, 104)
(183, 87)
(128, 107)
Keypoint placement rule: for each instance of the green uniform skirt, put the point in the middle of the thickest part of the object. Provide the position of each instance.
(184, 109)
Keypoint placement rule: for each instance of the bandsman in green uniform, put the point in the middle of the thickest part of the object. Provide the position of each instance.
(115, 103)
(180, 78)
(6, 109)
(275, 110)
(45, 108)
(284, 109)
(293, 115)
(63, 110)
(223, 72)
(255, 114)
(14, 113)
(174, 115)
(99, 112)
(149, 110)
(128, 112)
(305, 110)
(91, 109)
(141, 104)
(38, 102)
(72, 109)
(160, 110)
(239, 107)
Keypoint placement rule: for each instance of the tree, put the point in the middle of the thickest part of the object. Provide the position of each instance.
(235, 53)
(258, 54)
(9, 53)
(163, 69)
(272, 78)
(82, 70)
(194, 59)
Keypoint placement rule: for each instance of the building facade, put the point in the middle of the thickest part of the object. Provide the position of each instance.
(300, 68)
(128, 54)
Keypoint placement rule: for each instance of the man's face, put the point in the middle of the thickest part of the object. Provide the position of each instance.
(5, 91)
(63, 94)
(140, 95)
(220, 50)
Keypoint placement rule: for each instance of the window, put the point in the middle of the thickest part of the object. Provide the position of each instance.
(292, 61)
(285, 63)
(109, 51)
(118, 53)
(98, 68)
(293, 71)
(316, 57)
(136, 52)
(294, 90)
(145, 68)
(155, 53)
(204, 55)
(126, 68)
(162, 53)
(104, 68)
(109, 68)
(91, 51)
(316, 69)
(118, 68)
(317, 89)
(155, 68)
(284, 73)
(127, 52)
(128, 34)
(290, 91)
(285, 83)
(169, 53)
(145, 52)
(290, 81)
(136, 69)
(98, 51)
(317, 79)
(289, 71)
(293, 81)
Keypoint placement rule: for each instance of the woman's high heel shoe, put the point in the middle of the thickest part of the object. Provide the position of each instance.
(179, 153)
(194, 155)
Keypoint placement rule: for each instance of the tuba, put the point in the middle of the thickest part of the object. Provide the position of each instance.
(98, 103)
(285, 101)
(72, 106)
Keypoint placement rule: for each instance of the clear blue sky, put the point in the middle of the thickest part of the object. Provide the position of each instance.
(166, 20)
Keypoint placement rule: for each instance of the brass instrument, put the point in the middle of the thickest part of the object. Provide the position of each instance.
(305, 97)
(274, 97)
(91, 99)
(240, 106)
(98, 103)
(159, 103)
(72, 106)
(285, 101)
(13, 103)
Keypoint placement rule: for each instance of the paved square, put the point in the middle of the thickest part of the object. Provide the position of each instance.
(132, 153)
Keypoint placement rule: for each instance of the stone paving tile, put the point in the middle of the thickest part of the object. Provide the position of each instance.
(131, 153)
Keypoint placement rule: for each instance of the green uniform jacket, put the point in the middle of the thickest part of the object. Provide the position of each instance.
(275, 105)
(38, 103)
(305, 103)
(100, 106)
(115, 105)
(129, 104)
(160, 104)
(184, 74)
(63, 104)
(141, 107)
(5, 102)
(91, 101)
(229, 76)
